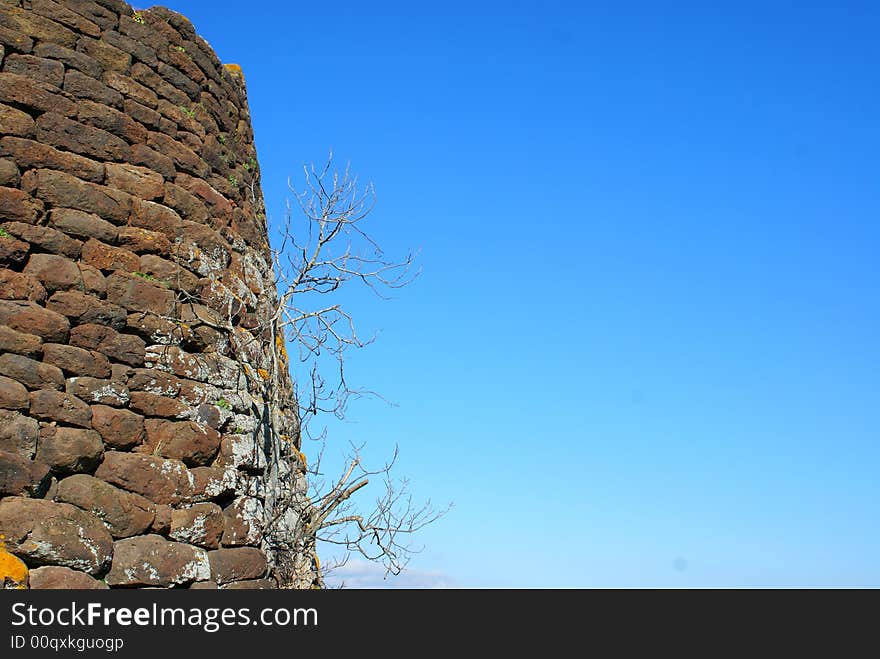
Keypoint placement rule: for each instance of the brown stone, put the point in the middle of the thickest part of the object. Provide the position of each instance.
(160, 481)
(53, 577)
(200, 188)
(12, 251)
(30, 155)
(94, 281)
(110, 56)
(113, 121)
(212, 483)
(187, 204)
(22, 477)
(120, 429)
(95, 390)
(151, 560)
(148, 77)
(131, 88)
(33, 319)
(153, 405)
(82, 308)
(46, 239)
(141, 113)
(50, 405)
(49, 533)
(63, 15)
(140, 51)
(120, 347)
(64, 190)
(169, 273)
(189, 442)
(217, 369)
(107, 258)
(156, 329)
(141, 154)
(76, 361)
(236, 564)
(71, 58)
(201, 524)
(82, 225)
(138, 181)
(154, 381)
(203, 585)
(19, 342)
(73, 136)
(243, 520)
(144, 242)
(18, 433)
(19, 286)
(18, 206)
(16, 122)
(30, 373)
(184, 157)
(54, 272)
(140, 294)
(123, 513)
(9, 174)
(15, 39)
(69, 450)
(13, 395)
(139, 31)
(20, 90)
(162, 521)
(156, 217)
(36, 68)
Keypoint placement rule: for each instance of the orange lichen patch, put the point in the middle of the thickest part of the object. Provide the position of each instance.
(282, 349)
(263, 373)
(302, 456)
(13, 572)
(235, 70)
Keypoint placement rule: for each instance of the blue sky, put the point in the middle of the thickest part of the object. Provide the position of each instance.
(643, 350)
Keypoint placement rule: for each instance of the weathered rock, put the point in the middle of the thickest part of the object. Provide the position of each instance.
(141, 154)
(82, 308)
(71, 58)
(45, 239)
(82, 225)
(243, 522)
(53, 577)
(213, 483)
(13, 395)
(151, 560)
(162, 521)
(236, 564)
(123, 513)
(251, 584)
(16, 122)
(217, 369)
(200, 524)
(9, 174)
(154, 382)
(113, 121)
(120, 429)
(186, 441)
(169, 273)
(31, 318)
(140, 294)
(203, 585)
(63, 190)
(30, 373)
(36, 155)
(131, 88)
(50, 405)
(13, 251)
(64, 15)
(48, 533)
(69, 450)
(76, 361)
(109, 56)
(107, 258)
(160, 481)
(241, 451)
(22, 477)
(19, 286)
(19, 90)
(95, 390)
(18, 433)
(64, 133)
(35, 68)
(120, 347)
(19, 342)
(54, 272)
(144, 242)
(149, 404)
(138, 181)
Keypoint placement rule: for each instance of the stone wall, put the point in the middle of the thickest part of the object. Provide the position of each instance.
(148, 431)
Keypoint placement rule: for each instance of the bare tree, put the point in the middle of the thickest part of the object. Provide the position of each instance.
(324, 249)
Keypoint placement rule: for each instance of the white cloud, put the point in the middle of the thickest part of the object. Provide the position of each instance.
(362, 574)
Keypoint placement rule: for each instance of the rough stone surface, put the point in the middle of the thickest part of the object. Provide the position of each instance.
(48, 533)
(76, 361)
(18, 433)
(159, 480)
(20, 476)
(201, 524)
(69, 450)
(151, 560)
(123, 513)
(64, 408)
(120, 429)
(236, 564)
(53, 577)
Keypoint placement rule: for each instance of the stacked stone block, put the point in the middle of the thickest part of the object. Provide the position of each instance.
(148, 429)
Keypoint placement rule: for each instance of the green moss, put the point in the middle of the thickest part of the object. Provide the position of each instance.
(5, 234)
(189, 112)
(180, 49)
(232, 180)
(138, 17)
(223, 404)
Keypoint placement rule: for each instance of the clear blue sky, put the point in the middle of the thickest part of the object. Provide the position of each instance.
(644, 348)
